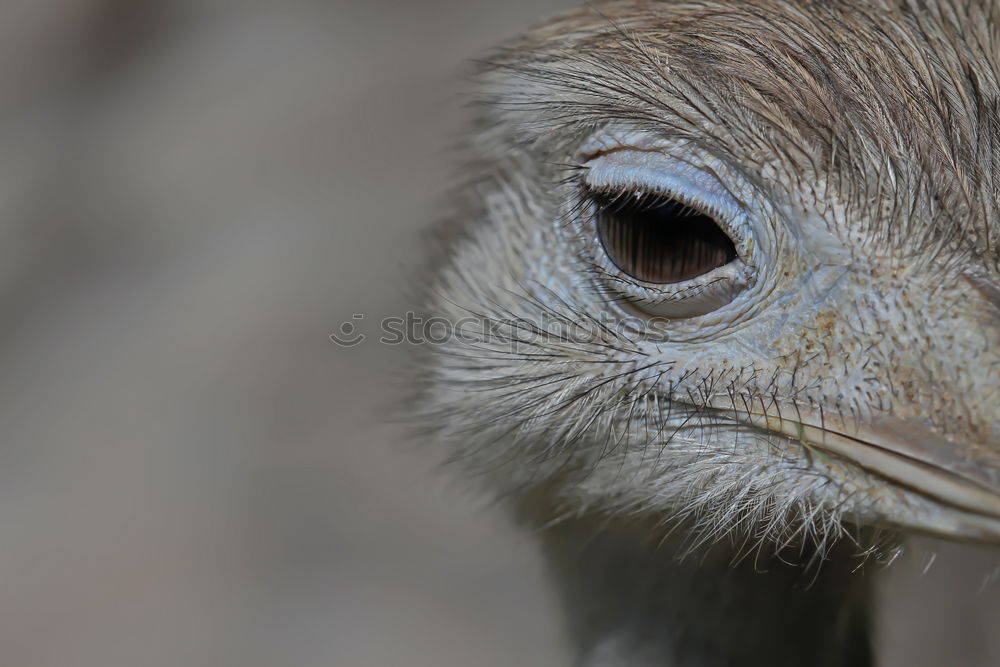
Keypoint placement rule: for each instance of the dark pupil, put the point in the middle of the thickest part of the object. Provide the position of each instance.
(659, 240)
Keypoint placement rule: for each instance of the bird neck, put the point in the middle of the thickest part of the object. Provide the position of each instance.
(632, 602)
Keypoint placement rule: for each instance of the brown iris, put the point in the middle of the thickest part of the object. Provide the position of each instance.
(657, 239)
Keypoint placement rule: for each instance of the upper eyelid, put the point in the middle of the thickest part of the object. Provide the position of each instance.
(690, 203)
(681, 153)
(692, 183)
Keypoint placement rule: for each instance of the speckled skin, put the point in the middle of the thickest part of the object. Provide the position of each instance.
(844, 373)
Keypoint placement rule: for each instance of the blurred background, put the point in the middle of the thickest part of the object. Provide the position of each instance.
(193, 195)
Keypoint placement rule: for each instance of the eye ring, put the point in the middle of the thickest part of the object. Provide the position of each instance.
(692, 270)
(622, 161)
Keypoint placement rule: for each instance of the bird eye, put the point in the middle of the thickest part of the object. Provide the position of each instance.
(659, 240)
(668, 236)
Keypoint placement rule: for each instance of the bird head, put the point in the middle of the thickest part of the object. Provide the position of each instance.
(735, 262)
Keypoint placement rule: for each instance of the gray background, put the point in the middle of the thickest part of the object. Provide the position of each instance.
(193, 195)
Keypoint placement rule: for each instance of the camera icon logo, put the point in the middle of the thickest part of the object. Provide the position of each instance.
(348, 335)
